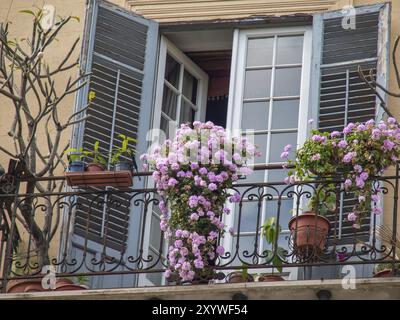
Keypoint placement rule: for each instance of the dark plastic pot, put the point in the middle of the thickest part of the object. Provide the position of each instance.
(122, 166)
(76, 166)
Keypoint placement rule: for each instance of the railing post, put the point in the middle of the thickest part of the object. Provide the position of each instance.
(9, 249)
(395, 207)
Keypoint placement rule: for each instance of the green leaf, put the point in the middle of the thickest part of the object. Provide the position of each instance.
(76, 18)
(28, 12)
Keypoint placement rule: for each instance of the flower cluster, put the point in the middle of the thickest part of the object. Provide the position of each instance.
(192, 174)
(359, 153)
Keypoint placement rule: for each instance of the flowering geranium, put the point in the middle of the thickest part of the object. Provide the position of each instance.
(192, 173)
(360, 152)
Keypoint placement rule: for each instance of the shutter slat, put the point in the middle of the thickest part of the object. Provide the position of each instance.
(118, 60)
(342, 91)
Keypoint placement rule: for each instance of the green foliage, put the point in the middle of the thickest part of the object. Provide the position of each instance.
(76, 154)
(270, 230)
(124, 150)
(97, 156)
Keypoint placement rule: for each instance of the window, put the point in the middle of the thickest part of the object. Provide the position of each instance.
(269, 97)
(181, 89)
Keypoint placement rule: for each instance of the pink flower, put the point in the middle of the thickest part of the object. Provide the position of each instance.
(316, 157)
(220, 250)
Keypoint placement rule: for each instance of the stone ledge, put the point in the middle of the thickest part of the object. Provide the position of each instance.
(374, 288)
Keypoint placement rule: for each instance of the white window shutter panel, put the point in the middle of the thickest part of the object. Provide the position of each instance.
(338, 95)
(120, 51)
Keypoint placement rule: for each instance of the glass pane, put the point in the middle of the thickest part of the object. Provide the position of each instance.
(285, 114)
(255, 115)
(260, 140)
(290, 50)
(172, 70)
(257, 84)
(165, 127)
(170, 99)
(285, 212)
(187, 113)
(248, 219)
(155, 232)
(279, 176)
(246, 243)
(278, 141)
(189, 87)
(254, 177)
(283, 241)
(287, 82)
(259, 52)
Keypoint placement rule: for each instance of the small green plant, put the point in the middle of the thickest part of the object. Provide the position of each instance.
(270, 230)
(74, 154)
(82, 279)
(124, 150)
(97, 156)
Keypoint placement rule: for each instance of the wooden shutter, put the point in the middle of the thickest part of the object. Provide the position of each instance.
(121, 53)
(339, 93)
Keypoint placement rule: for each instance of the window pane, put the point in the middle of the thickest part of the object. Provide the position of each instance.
(285, 212)
(172, 70)
(166, 126)
(255, 115)
(155, 232)
(285, 114)
(248, 219)
(257, 84)
(189, 87)
(279, 176)
(290, 50)
(246, 249)
(170, 99)
(287, 82)
(259, 52)
(278, 141)
(260, 140)
(187, 113)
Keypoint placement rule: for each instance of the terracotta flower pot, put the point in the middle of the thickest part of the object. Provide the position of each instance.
(237, 277)
(95, 167)
(270, 278)
(35, 285)
(24, 285)
(386, 273)
(311, 231)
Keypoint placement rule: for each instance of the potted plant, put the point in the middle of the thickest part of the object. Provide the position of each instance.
(383, 270)
(270, 230)
(98, 163)
(358, 154)
(192, 178)
(120, 154)
(242, 276)
(75, 156)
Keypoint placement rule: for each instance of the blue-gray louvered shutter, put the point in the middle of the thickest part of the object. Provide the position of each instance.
(120, 51)
(341, 96)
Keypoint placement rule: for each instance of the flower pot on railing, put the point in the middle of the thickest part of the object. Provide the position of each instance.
(76, 166)
(310, 231)
(123, 166)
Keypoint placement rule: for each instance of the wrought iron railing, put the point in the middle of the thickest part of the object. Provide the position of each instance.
(92, 248)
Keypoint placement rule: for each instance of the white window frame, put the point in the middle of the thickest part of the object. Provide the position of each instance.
(167, 47)
(236, 94)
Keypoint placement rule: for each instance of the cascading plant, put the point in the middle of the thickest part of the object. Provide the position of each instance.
(193, 173)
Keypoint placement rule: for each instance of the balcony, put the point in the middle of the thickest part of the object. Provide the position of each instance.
(108, 239)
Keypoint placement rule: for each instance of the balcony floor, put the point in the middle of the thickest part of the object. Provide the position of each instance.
(374, 288)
